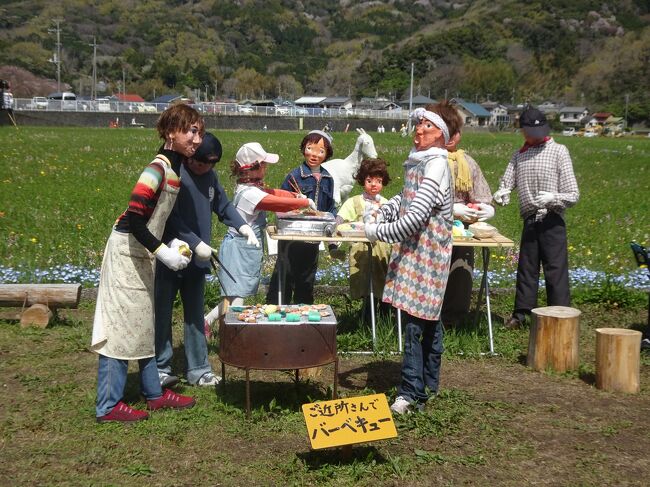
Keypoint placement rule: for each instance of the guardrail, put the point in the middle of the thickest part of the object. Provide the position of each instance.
(206, 108)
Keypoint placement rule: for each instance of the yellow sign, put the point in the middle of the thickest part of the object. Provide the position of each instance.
(347, 421)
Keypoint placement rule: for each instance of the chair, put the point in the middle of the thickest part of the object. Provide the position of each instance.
(642, 257)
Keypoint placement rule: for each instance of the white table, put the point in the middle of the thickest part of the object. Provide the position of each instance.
(485, 244)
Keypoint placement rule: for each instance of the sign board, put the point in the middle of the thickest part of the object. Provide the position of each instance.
(347, 421)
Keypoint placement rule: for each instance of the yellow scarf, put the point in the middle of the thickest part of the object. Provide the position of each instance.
(462, 174)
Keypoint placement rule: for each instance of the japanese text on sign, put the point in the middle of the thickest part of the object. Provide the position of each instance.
(347, 421)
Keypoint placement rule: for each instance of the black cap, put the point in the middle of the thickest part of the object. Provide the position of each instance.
(209, 151)
(534, 123)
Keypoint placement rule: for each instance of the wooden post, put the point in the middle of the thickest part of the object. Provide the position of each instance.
(53, 295)
(618, 352)
(554, 338)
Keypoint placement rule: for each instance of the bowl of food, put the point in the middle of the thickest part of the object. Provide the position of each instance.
(483, 230)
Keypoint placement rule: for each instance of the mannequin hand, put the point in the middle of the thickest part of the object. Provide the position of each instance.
(484, 212)
(502, 196)
(172, 258)
(248, 232)
(371, 231)
(371, 213)
(203, 251)
(543, 198)
(312, 205)
(300, 196)
(464, 212)
(182, 246)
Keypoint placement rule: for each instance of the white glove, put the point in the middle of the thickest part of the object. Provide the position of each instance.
(543, 198)
(182, 246)
(300, 196)
(502, 196)
(312, 205)
(464, 212)
(172, 258)
(247, 231)
(371, 231)
(485, 212)
(371, 213)
(203, 252)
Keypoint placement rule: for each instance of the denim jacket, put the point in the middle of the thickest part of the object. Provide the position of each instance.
(321, 191)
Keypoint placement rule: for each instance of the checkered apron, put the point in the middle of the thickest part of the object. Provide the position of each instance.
(419, 266)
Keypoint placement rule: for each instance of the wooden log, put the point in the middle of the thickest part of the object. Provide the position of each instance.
(618, 359)
(554, 339)
(52, 295)
(37, 314)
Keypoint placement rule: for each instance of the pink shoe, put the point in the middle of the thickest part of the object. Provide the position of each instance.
(123, 413)
(171, 400)
(206, 329)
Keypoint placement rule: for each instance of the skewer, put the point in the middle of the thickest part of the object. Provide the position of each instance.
(294, 184)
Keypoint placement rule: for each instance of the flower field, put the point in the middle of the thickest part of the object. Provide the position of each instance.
(62, 188)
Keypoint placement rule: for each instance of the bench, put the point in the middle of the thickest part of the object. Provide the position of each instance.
(36, 301)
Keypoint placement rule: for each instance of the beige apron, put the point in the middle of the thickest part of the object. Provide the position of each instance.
(124, 315)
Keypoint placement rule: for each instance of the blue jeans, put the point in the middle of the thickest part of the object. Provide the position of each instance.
(111, 380)
(422, 357)
(191, 284)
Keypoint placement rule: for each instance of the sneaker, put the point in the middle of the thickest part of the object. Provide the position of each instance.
(171, 400)
(208, 379)
(124, 414)
(167, 380)
(401, 405)
(645, 344)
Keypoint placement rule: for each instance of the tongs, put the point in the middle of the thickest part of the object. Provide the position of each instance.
(214, 260)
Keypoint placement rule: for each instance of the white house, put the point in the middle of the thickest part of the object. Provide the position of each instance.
(573, 116)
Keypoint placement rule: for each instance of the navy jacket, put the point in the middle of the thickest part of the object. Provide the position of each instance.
(191, 218)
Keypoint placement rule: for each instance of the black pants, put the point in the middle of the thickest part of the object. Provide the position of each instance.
(300, 273)
(458, 294)
(544, 241)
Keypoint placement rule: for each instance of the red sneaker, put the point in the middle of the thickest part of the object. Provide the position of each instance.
(171, 400)
(123, 413)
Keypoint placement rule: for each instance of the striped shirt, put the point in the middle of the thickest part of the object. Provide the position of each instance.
(545, 167)
(433, 195)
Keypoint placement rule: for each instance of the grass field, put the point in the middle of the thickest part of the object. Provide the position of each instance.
(62, 188)
(495, 422)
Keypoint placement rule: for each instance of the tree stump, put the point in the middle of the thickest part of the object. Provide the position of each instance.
(618, 359)
(36, 314)
(554, 339)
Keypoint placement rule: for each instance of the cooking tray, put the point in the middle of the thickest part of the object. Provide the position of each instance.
(316, 225)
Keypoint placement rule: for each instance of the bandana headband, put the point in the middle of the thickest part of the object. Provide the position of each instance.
(420, 113)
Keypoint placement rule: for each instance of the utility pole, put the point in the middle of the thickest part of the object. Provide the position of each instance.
(410, 99)
(627, 100)
(123, 80)
(93, 88)
(57, 57)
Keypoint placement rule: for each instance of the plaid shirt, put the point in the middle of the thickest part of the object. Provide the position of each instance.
(546, 167)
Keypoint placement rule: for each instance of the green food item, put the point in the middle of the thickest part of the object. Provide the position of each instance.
(313, 317)
(275, 317)
(293, 317)
(236, 309)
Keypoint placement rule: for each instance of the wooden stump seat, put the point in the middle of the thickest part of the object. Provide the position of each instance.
(618, 359)
(554, 339)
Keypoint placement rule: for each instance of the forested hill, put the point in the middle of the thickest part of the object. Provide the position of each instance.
(580, 51)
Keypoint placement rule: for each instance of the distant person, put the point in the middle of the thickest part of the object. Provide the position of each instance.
(123, 327)
(542, 173)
